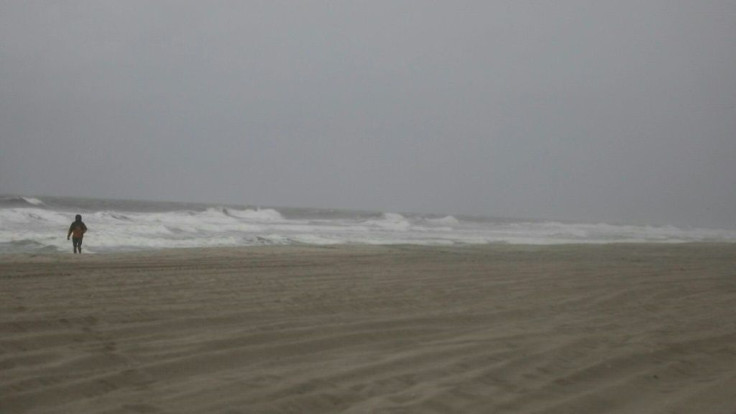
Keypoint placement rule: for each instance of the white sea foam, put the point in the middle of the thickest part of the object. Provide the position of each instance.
(390, 221)
(445, 221)
(36, 226)
(10, 201)
(33, 201)
(260, 215)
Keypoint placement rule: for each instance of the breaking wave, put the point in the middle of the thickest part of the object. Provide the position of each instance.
(18, 201)
(31, 224)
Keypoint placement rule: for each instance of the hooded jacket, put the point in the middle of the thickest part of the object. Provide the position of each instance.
(77, 229)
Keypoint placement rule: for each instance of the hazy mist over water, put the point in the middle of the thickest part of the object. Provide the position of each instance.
(616, 112)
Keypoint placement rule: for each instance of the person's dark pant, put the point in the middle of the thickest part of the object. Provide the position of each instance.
(77, 242)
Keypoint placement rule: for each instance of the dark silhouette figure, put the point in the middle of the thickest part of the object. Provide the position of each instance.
(77, 230)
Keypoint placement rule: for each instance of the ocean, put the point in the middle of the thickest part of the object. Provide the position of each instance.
(40, 224)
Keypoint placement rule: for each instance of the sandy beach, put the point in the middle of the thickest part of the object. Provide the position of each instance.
(383, 329)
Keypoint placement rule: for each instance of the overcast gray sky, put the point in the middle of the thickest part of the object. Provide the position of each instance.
(618, 111)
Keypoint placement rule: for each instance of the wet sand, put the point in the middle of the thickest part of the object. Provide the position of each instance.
(400, 329)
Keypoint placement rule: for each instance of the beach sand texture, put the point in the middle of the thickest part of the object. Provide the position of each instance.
(372, 329)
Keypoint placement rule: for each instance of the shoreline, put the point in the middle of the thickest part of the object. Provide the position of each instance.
(616, 328)
(167, 251)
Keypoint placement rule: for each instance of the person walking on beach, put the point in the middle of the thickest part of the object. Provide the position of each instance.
(77, 230)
